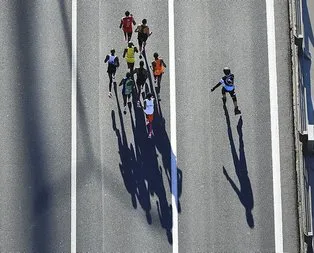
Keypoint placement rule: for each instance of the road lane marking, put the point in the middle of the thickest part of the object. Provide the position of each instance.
(73, 124)
(272, 69)
(173, 128)
(100, 96)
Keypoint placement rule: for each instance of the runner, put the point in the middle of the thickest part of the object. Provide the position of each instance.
(127, 88)
(126, 25)
(228, 86)
(113, 64)
(128, 54)
(142, 36)
(158, 69)
(149, 104)
(141, 74)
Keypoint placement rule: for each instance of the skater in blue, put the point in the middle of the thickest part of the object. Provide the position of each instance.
(227, 82)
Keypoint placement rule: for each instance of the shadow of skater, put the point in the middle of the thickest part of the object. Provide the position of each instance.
(244, 192)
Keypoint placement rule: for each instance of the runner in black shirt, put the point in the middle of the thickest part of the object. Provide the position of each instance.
(141, 74)
(142, 36)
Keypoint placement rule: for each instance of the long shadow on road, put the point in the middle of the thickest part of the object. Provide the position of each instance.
(33, 134)
(162, 143)
(141, 172)
(244, 192)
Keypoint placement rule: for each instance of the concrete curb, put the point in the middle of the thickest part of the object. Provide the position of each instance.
(303, 189)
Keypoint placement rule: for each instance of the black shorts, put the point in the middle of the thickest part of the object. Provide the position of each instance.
(129, 34)
(140, 83)
(224, 91)
(142, 38)
(111, 70)
(130, 65)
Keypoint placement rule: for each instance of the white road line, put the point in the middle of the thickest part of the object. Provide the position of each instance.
(271, 41)
(173, 129)
(100, 96)
(73, 128)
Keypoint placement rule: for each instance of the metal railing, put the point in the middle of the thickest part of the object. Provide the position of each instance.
(298, 23)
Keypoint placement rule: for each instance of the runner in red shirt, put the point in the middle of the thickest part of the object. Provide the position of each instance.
(126, 25)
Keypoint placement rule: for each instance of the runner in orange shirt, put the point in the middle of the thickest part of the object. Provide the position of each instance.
(158, 69)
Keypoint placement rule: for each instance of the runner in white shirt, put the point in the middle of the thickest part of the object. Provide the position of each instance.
(149, 105)
(113, 64)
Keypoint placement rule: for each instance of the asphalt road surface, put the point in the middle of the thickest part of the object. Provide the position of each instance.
(227, 195)
(225, 181)
(35, 127)
(123, 178)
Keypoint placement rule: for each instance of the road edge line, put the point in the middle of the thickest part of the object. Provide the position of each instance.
(275, 145)
(173, 132)
(73, 126)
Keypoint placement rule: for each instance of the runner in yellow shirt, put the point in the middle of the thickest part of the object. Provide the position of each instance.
(129, 55)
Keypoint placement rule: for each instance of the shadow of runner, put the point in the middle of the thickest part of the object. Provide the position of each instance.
(139, 167)
(139, 132)
(149, 171)
(163, 145)
(128, 163)
(162, 141)
(154, 176)
(150, 80)
(244, 192)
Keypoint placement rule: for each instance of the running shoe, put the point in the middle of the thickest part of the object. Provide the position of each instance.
(158, 96)
(237, 111)
(110, 94)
